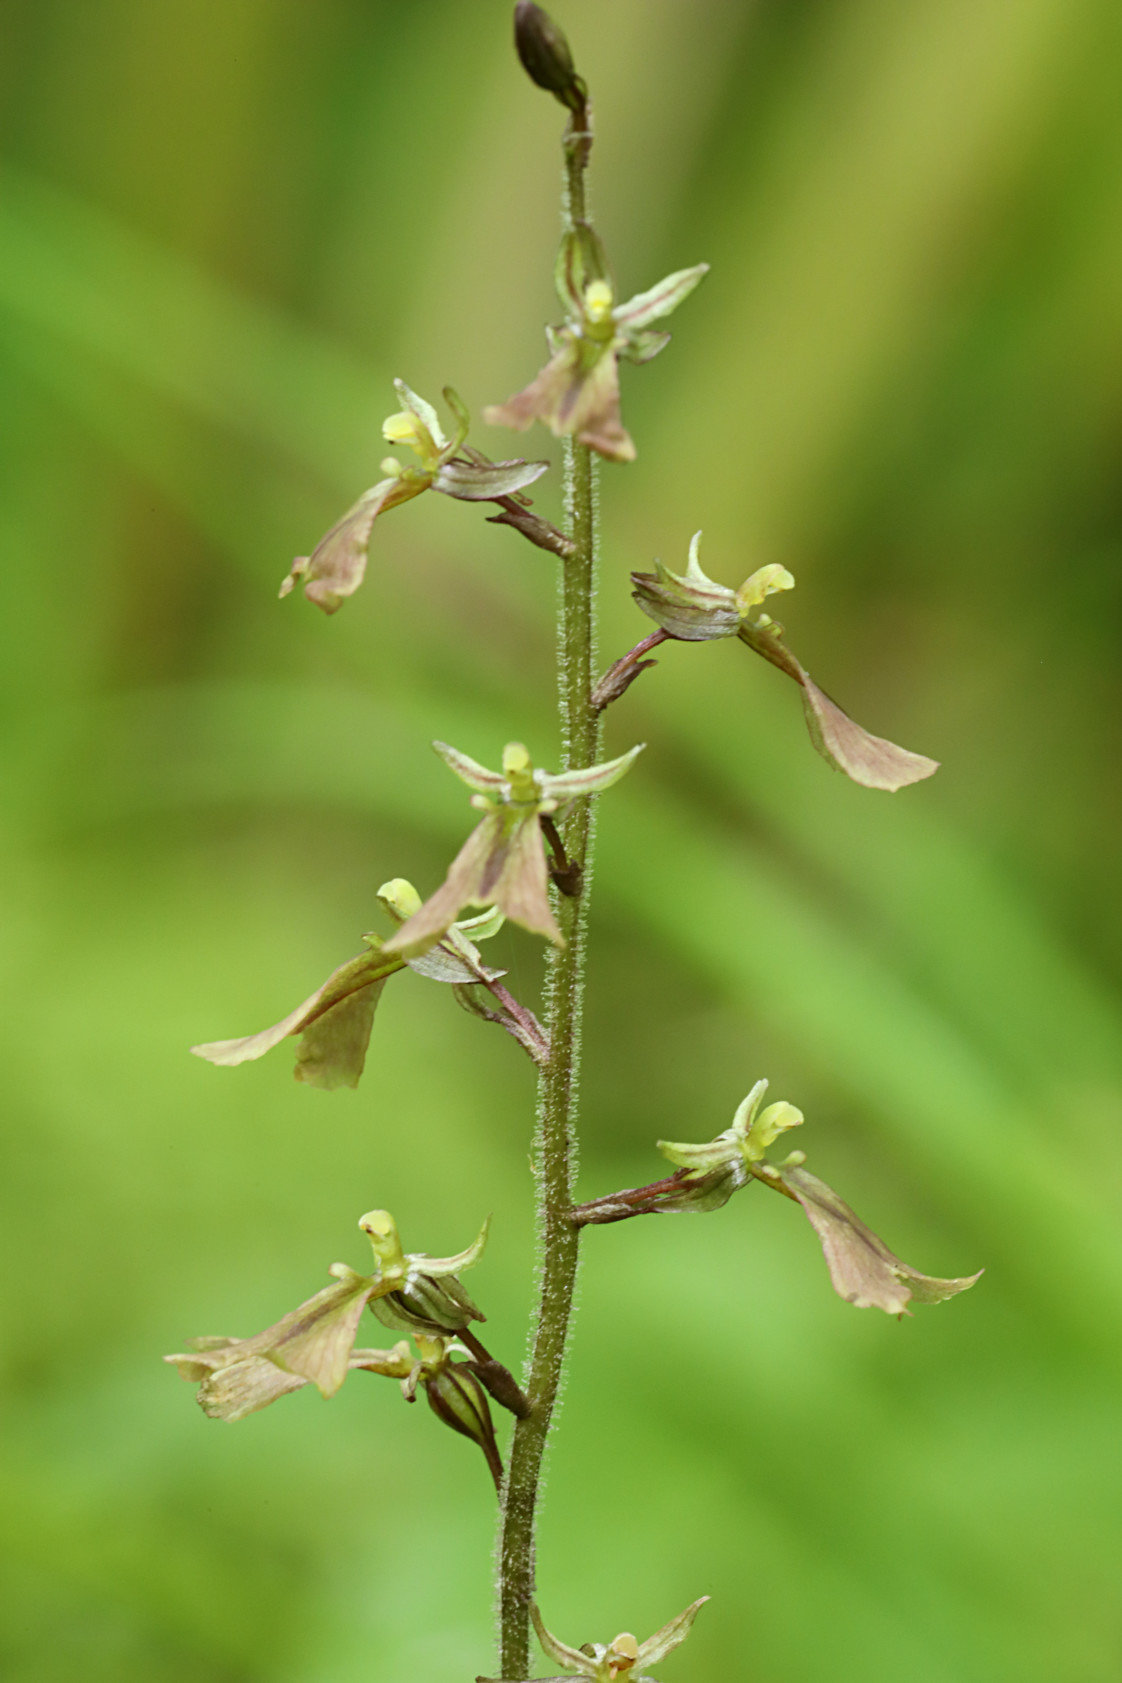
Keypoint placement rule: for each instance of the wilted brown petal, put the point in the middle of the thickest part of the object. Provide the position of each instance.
(572, 396)
(867, 759)
(335, 1023)
(863, 1269)
(229, 1390)
(501, 864)
(241, 1388)
(312, 1343)
(542, 398)
(336, 567)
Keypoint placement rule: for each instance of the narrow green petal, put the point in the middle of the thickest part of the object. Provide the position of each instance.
(660, 300)
(711, 1154)
(470, 771)
(560, 1651)
(643, 347)
(567, 785)
(459, 414)
(663, 1641)
(437, 1265)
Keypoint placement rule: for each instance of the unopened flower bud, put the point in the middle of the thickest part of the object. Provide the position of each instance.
(545, 55)
(427, 1305)
(456, 1397)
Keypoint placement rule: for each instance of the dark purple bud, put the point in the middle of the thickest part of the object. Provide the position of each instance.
(456, 1397)
(545, 55)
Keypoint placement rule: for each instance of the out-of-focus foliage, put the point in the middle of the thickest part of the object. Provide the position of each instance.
(225, 225)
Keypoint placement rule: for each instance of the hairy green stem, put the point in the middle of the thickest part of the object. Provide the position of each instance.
(556, 1138)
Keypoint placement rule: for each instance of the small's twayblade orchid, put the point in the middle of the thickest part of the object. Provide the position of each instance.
(502, 863)
(577, 392)
(337, 565)
(692, 608)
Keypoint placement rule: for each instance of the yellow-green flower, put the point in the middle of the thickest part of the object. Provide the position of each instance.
(333, 1025)
(624, 1658)
(692, 608)
(337, 565)
(577, 392)
(314, 1343)
(863, 1270)
(502, 863)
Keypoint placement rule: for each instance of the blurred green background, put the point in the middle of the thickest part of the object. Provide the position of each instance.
(225, 225)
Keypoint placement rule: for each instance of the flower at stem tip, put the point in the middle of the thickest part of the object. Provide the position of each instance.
(863, 1270)
(622, 1658)
(337, 565)
(577, 392)
(502, 864)
(694, 609)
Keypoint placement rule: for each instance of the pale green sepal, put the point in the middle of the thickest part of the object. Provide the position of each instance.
(438, 1265)
(470, 771)
(581, 259)
(558, 1650)
(479, 928)
(660, 300)
(643, 347)
(460, 415)
(701, 1192)
(863, 1270)
(440, 965)
(474, 482)
(713, 1154)
(567, 785)
(424, 412)
(694, 573)
(758, 1133)
(656, 1647)
(690, 605)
